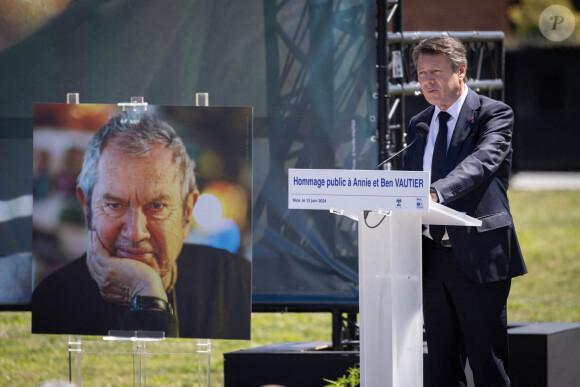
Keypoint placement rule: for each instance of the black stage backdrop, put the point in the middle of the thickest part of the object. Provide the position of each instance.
(307, 68)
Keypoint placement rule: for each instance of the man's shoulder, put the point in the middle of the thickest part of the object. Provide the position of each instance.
(484, 102)
(75, 266)
(423, 116)
(69, 292)
(213, 293)
(68, 275)
(217, 272)
(190, 249)
(194, 255)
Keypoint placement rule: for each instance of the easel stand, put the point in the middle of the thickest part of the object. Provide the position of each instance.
(129, 357)
(131, 360)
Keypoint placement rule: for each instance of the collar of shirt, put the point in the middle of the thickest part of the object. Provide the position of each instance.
(434, 128)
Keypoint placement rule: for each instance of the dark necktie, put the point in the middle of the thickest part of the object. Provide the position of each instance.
(438, 166)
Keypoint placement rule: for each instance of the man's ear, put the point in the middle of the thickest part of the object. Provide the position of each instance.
(83, 199)
(461, 71)
(187, 222)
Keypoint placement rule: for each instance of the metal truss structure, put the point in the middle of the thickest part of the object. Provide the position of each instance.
(321, 103)
(397, 75)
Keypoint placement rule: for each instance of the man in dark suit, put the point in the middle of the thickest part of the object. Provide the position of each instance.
(467, 271)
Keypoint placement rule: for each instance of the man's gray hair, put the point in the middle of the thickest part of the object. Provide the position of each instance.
(452, 48)
(136, 133)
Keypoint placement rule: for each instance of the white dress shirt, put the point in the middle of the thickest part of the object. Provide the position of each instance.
(432, 136)
(434, 128)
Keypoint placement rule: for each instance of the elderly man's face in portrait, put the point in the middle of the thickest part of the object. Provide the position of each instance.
(137, 207)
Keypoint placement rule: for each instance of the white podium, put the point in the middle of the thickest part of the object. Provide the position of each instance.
(390, 293)
(390, 273)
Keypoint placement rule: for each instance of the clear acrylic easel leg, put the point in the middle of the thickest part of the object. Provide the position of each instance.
(135, 359)
(203, 359)
(140, 363)
(74, 360)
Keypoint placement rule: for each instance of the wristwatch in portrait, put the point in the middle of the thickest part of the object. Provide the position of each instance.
(149, 303)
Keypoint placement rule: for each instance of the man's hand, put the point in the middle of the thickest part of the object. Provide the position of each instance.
(121, 279)
(434, 197)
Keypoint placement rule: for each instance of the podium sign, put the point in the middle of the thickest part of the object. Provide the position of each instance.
(325, 189)
(390, 274)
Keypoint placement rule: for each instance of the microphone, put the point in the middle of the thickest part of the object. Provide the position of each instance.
(422, 130)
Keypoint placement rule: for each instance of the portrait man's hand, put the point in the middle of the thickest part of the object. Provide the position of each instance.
(121, 279)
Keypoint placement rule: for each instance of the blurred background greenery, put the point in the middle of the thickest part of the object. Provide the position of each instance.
(524, 18)
(548, 225)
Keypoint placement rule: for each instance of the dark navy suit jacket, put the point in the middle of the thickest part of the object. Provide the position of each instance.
(477, 170)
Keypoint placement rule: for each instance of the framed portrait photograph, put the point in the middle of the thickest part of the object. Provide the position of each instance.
(142, 220)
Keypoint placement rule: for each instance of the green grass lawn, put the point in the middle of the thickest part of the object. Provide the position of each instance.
(548, 225)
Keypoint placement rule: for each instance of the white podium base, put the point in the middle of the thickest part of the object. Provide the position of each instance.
(390, 299)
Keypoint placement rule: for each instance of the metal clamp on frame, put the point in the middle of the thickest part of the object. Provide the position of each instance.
(119, 335)
(137, 103)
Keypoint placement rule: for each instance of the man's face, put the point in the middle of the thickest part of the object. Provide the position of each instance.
(441, 86)
(137, 207)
